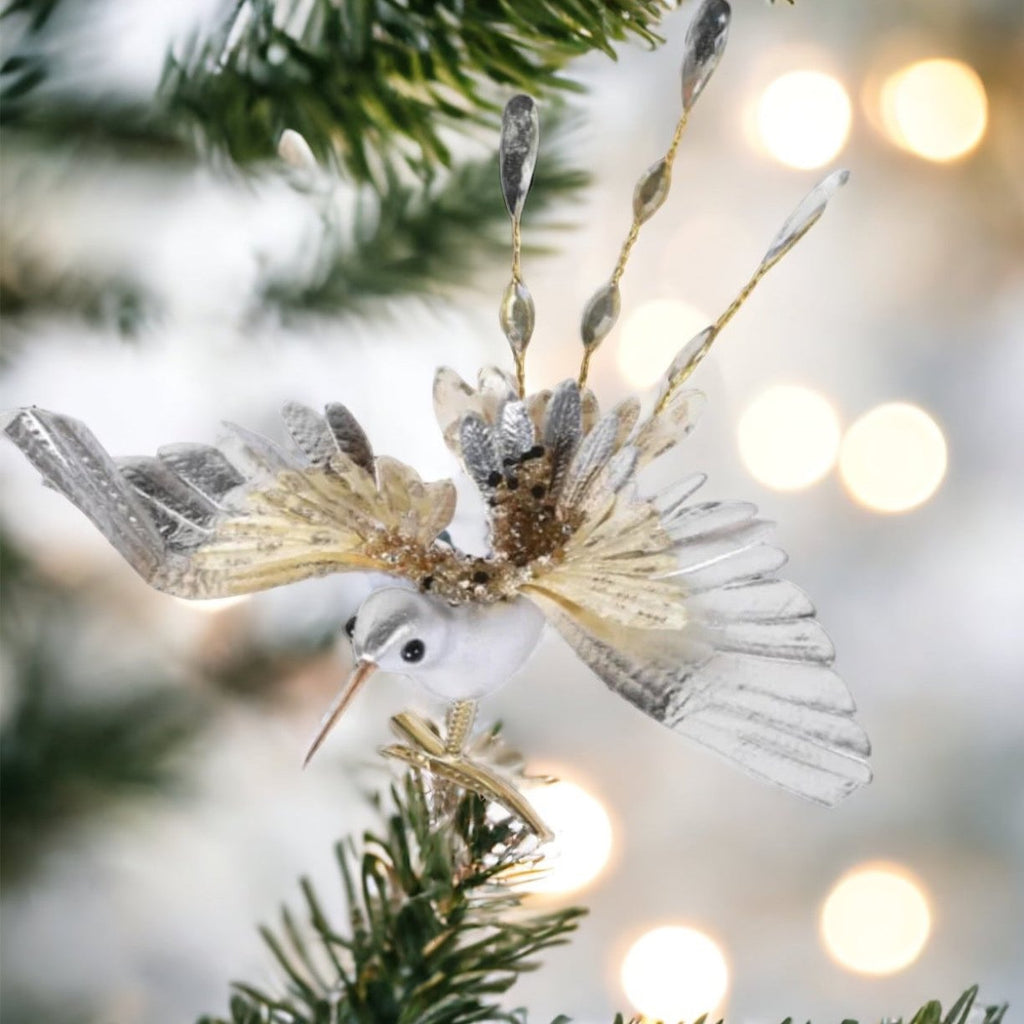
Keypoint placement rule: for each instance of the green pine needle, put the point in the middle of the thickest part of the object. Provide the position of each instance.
(375, 85)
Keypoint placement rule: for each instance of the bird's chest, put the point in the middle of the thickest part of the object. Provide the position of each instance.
(488, 643)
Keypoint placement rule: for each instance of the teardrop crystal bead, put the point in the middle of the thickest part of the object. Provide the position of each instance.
(517, 315)
(599, 315)
(705, 41)
(690, 355)
(517, 154)
(804, 217)
(651, 190)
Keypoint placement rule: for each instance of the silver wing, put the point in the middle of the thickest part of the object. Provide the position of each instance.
(199, 521)
(672, 602)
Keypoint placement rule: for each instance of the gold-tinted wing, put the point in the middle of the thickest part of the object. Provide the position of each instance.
(199, 521)
(675, 605)
(671, 601)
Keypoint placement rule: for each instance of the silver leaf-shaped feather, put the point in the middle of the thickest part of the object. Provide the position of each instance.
(72, 461)
(159, 484)
(590, 458)
(351, 438)
(515, 432)
(479, 452)
(562, 430)
(310, 432)
(204, 468)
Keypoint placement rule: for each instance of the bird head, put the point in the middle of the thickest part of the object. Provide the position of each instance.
(397, 630)
(400, 631)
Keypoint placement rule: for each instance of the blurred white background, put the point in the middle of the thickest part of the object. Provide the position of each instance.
(911, 290)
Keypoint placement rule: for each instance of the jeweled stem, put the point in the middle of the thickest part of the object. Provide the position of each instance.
(458, 723)
(705, 41)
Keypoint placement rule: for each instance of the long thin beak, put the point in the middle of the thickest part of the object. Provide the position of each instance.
(362, 672)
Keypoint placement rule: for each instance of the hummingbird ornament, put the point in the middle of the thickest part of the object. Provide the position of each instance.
(672, 602)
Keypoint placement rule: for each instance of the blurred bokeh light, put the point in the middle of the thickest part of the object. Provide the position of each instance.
(803, 118)
(788, 437)
(583, 838)
(675, 973)
(876, 919)
(936, 109)
(652, 335)
(893, 458)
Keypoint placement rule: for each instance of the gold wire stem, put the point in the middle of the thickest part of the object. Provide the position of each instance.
(634, 229)
(458, 723)
(517, 251)
(634, 232)
(585, 367)
(517, 276)
(730, 312)
(520, 360)
(742, 297)
(627, 248)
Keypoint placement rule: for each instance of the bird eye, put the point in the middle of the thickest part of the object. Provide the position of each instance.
(350, 627)
(413, 651)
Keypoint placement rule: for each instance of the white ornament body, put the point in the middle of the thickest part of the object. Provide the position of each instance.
(469, 650)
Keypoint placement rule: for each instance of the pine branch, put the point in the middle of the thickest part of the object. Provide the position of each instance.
(409, 236)
(419, 239)
(431, 936)
(374, 85)
(431, 932)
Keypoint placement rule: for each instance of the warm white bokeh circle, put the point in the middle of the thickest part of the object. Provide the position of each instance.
(893, 458)
(876, 919)
(674, 973)
(788, 437)
(936, 108)
(803, 118)
(652, 335)
(583, 838)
